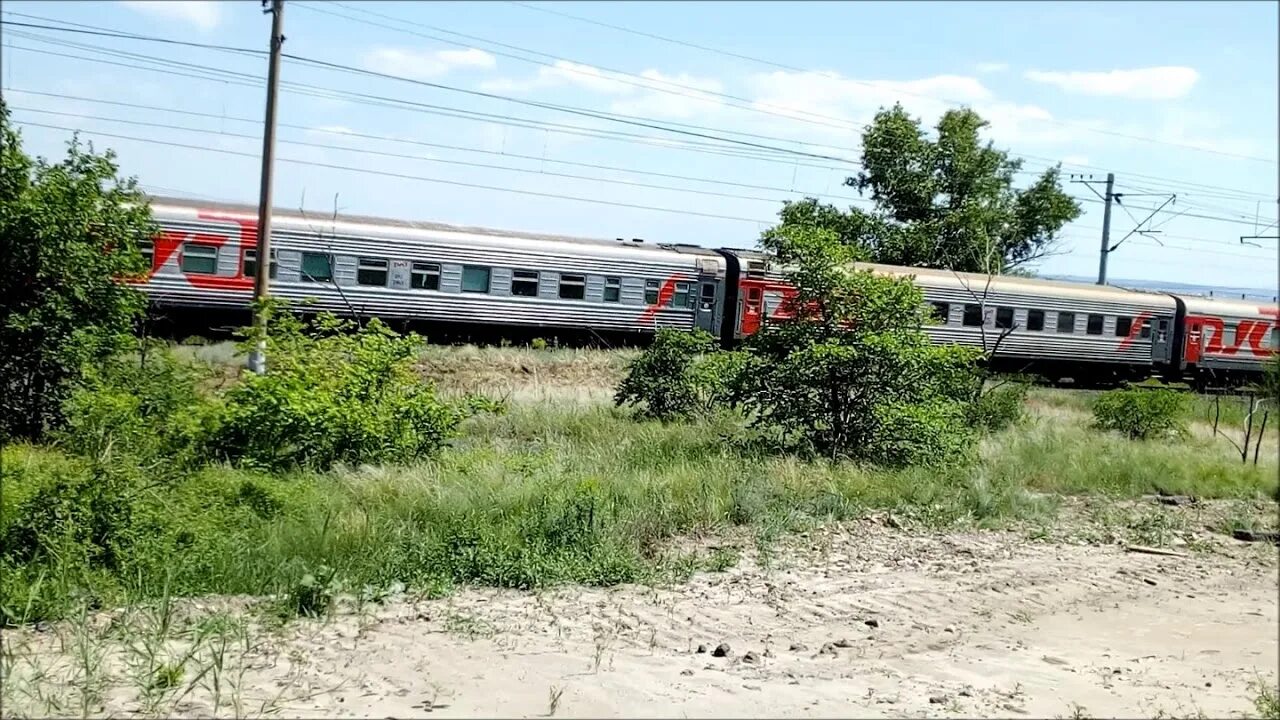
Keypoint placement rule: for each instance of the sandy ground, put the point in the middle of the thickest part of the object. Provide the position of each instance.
(858, 620)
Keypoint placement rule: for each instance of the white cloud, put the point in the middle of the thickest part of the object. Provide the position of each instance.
(1075, 160)
(424, 64)
(992, 67)
(1153, 83)
(679, 96)
(204, 14)
(562, 73)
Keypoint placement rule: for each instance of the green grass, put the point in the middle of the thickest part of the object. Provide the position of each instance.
(554, 493)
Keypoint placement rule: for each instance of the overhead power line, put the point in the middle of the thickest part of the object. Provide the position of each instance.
(406, 176)
(228, 77)
(404, 141)
(603, 115)
(948, 101)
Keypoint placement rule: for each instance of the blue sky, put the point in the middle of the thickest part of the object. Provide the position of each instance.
(1173, 98)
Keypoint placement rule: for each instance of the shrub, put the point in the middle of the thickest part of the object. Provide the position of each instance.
(334, 394)
(670, 379)
(850, 373)
(1141, 414)
(999, 407)
(69, 232)
(145, 408)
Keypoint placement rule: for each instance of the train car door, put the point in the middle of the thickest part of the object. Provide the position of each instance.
(1195, 340)
(752, 309)
(1161, 342)
(706, 317)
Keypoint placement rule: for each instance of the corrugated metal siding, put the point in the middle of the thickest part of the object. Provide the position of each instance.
(635, 265)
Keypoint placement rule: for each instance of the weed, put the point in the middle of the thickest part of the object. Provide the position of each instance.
(553, 699)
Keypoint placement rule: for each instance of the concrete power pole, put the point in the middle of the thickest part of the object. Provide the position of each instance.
(1106, 229)
(262, 278)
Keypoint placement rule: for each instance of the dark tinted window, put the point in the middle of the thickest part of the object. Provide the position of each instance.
(371, 271)
(1066, 322)
(612, 289)
(1004, 318)
(650, 292)
(973, 315)
(1095, 325)
(1035, 320)
(148, 250)
(425, 276)
(250, 263)
(941, 311)
(1123, 326)
(524, 283)
(1146, 329)
(573, 287)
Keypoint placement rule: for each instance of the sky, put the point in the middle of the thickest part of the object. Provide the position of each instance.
(1176, 99)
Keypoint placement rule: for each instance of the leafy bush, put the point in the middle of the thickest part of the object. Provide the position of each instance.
(999, 407)
(334, 394)
(850, 373)
(675, 377)
(146, 408)
(68, 233)
(1141, 413)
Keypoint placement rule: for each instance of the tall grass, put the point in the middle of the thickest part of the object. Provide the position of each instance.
(551, 493)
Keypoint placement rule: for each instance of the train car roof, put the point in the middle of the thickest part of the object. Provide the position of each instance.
(1019, 284)
(1197, 305)
(298, 216)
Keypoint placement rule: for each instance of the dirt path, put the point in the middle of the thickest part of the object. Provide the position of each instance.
(858, 621)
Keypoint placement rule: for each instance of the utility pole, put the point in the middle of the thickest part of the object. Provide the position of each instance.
(262, 278)
(1106, 221)
(1106, 230)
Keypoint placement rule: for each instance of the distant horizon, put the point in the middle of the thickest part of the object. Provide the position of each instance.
(1216, 290)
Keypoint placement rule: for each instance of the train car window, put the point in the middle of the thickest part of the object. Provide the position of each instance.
(1095, 325)
(1123, 326)
(524, 283)
(316, 267)
(1145, 331)
(573, 287)
(1004, 318)
(973, 315)
(475, 279)
(425, 276)
(682, 298)
(1066, 322)
(371, 271)
(612, 289)
(1275, 338)
(148, 250)
(200, 259)
(941, 311)
(1229, 335)
(708, 295)
(1035, 320)
(249, 264)
(650, 292)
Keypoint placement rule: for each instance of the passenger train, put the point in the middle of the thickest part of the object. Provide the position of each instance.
(203, 261)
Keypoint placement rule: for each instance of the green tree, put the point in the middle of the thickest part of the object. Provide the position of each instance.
(69, 231)
(851, 373)
(946, 202)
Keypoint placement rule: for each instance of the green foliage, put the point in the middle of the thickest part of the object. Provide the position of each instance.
(999, 407)
(145, 408)
(852, 374)
(947, 202)
(679, 374)
(1141, 414)
(68, 233)
(538, 343)
(333, 394)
